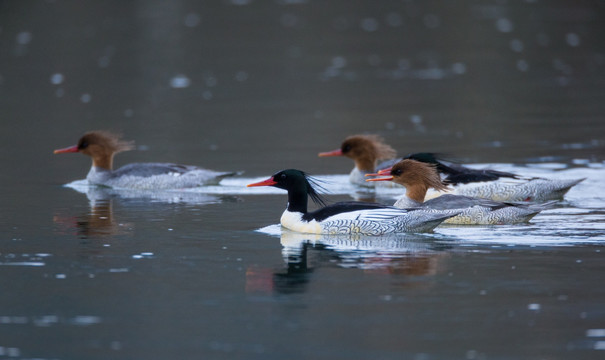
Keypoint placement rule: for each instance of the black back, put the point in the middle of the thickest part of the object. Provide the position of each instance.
(458, 174)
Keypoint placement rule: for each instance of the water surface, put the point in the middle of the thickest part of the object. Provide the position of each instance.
(259, 86)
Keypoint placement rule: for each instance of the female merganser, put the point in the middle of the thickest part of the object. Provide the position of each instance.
(103, 145)
(418, 177)
(496, 185)
(366, 151)
(344, 217)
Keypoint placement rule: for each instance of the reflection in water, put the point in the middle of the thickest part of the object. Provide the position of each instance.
(96, 193)
(407, 255)
(100, 221)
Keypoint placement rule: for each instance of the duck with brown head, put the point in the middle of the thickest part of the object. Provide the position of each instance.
(494, 184)
(366, 151)
(344, 217)
(418, 178)
(101, 146)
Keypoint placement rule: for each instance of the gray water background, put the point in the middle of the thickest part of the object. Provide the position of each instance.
(259, 86)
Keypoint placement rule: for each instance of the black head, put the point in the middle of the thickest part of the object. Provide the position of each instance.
(295, 182)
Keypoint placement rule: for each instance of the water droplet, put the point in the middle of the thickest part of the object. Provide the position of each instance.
(241, 76)
(211, 81)
(339, 62)
(180, 81)
(85, 98)
(56, 79)
(394, 19)
(572, 39)
(416, 119)
(24, 38)
(534, 307)
(504, 25)
(522, 65)
(516, 45)
(369, 24)
(459, 68)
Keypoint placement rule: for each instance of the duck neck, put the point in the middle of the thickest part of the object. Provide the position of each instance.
(416, 192)
(365, 165)
(104, 162)
(297, 201)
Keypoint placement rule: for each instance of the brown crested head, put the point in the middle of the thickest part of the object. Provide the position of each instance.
(411, 173)
(103, 142)
(101, 146)
(366, 150)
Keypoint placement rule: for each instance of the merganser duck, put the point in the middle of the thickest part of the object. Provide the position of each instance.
(103, 145)
(495, 185)
(418, 177)
(366, 151)
(344, 217)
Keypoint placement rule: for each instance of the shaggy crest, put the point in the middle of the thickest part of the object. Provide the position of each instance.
(414, 172)
(112, 141)
(376, 143)
(313, 185)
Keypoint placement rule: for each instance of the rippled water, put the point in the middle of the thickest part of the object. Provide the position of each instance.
(253, 86)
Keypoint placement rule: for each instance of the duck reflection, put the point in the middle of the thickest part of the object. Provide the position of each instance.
(401, 254)
(100, 221)
(408, 254)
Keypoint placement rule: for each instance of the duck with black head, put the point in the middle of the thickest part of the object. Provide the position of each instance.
(101, 146)
(344, 217)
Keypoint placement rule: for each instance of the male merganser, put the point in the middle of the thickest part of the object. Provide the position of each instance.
(103, 145)
(418, 177)
(366, 151)
(344, 217)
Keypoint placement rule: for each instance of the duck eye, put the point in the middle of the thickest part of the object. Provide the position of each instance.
(83, 145)
(346, 148)
(397, 172)
(283, 176)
